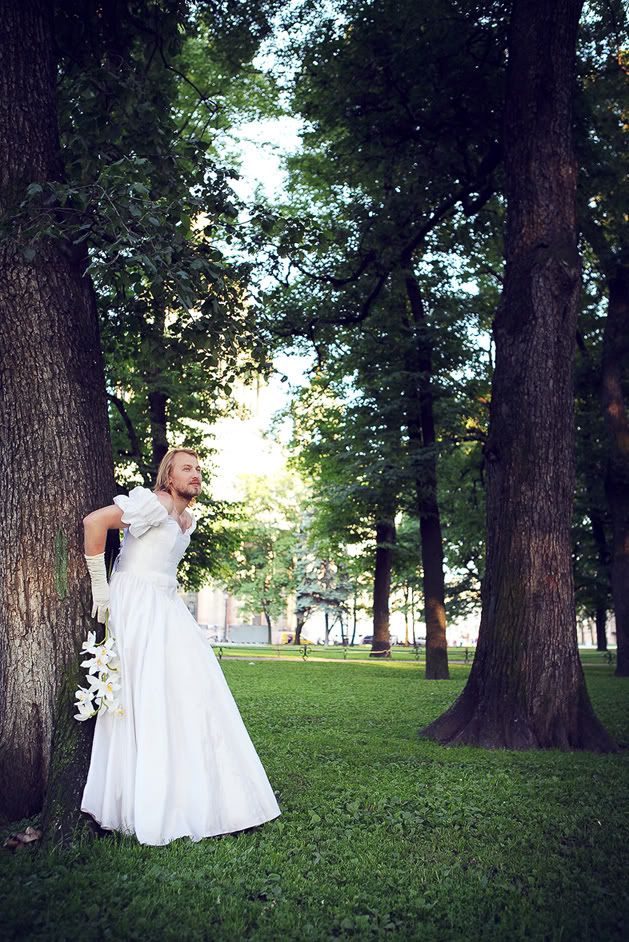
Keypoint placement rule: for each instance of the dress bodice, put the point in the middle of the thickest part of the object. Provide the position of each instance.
(153, 543)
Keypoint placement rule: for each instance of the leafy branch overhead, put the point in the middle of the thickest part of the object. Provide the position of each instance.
(146, 199)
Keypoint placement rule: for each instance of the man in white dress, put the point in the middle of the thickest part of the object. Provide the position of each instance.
(178, 761)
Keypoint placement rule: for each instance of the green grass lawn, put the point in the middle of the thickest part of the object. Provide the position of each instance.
(383, 835)
(361, 651)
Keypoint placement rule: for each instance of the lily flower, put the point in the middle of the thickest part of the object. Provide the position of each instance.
(102, 679)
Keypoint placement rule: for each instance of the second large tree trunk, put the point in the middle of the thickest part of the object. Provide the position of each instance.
(615, 356)
(55, 460)
(526, 688)
(422, 438)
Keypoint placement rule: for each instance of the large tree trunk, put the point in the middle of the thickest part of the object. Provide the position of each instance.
(526, 688)
(615, 357)
(385, 542)
(422, 438)
(55, 458)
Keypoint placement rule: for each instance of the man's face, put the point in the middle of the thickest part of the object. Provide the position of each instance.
(185, 475)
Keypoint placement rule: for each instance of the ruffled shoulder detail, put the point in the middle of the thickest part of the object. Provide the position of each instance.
(142, 510)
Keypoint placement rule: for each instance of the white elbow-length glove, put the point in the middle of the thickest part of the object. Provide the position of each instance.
(100, 586)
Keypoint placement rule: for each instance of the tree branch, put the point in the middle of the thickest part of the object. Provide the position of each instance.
(133, 438)
(405, 255)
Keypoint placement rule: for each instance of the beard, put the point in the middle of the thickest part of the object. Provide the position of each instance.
(187, 492)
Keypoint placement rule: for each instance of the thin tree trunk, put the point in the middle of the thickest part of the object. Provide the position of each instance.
(56, 455)
(354, 619)
(269, 626)
(299, 627)
(385, 543)
(423, 440)
(615, 357)
(342, 627)
(157, 403)
(601, 628)
(157, 397)
(526, 688)
(407, 597)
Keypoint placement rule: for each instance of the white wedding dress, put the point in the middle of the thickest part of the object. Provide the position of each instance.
(179, 762)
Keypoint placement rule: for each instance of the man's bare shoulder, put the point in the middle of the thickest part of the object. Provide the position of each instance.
(166, 500)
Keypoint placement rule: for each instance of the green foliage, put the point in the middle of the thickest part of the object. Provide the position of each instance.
(401, 107)
(601, 131)
(322, 582)
(591, 525)
(399, 174)
(261, 570)
(462, 494)
(601, 141)
(148, 95)
(348, 445)
(148, 98)
(213, 545)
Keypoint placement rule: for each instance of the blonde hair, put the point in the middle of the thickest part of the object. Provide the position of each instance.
(162, 481)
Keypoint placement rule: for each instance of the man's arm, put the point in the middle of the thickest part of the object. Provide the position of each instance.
(96, 525)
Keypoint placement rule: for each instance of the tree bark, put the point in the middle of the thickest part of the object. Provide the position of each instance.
(526, 688)
(385, 542)
(56, 455)
(615, 356)
(422, 438)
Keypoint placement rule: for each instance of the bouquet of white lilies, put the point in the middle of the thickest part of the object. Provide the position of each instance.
(102, 674)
